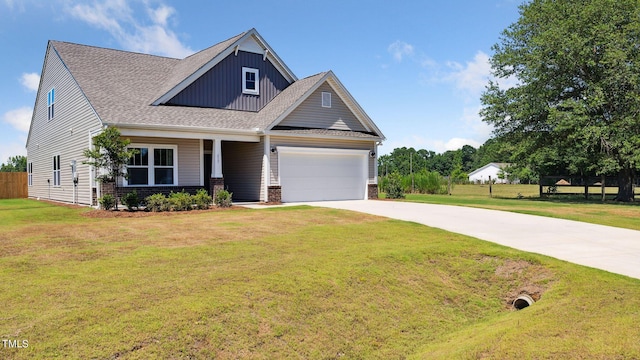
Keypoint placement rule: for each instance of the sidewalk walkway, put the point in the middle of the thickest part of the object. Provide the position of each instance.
(608, 248)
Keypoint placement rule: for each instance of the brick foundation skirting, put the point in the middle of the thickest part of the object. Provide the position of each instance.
(215, 185)
(274, 194)
(372, 191)
(144, 191)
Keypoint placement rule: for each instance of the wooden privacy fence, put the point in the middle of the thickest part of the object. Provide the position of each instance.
(13, 185)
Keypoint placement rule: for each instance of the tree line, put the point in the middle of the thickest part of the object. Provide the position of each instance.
(456, 164)
(16, 163)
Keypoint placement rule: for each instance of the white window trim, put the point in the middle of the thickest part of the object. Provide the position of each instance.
(151, 166)
(246, 70)
(51, 101)
(57, 172)
(326, 99)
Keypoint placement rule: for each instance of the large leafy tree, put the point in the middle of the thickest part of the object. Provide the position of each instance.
(110, 154)
(576, 105)
(16, 163)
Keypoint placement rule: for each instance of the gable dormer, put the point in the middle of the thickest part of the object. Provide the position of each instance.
(245, 74)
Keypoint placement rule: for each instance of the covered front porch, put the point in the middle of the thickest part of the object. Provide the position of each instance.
(177, 161)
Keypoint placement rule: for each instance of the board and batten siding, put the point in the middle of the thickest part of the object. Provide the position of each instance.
(242, 168)
(189, 157)
(318, 143)
(221, 87)
(311, 114)
(67, 135)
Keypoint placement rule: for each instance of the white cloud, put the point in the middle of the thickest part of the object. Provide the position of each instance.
(161, 14)
(19, 118)
(400, 49)
(458, 143)
(473, 121)
(8, 149)
(419, 142)
(133, 33)
(30, 81)
(472, 77)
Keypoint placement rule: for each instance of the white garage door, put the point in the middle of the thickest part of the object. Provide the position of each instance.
(310, 174)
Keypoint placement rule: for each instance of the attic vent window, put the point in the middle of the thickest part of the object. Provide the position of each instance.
(326, 99)
(250, 81)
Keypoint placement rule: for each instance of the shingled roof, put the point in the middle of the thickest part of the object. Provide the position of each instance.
(189, 65)
(121, 86)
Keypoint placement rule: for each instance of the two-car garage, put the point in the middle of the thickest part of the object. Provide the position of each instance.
(317, 174)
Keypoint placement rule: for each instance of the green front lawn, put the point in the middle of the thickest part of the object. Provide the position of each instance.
(296, 282)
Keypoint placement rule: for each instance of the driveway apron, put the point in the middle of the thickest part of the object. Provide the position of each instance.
(603, 247)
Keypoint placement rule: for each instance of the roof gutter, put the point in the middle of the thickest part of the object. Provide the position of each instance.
(322, 136)
(254, 131)
(182, 132)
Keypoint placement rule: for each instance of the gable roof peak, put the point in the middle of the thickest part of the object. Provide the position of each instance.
(192, 67)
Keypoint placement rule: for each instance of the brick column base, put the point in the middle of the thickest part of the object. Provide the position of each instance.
(372, 191)
(216, 184)
(274, 194)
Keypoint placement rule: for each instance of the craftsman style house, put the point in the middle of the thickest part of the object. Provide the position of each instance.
(231, 116)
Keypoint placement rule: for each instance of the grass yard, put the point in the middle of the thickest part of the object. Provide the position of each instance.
(506, 197)
(296, 282)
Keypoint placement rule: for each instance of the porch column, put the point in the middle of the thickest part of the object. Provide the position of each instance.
(372, 188)
(265, 166)
(216, 159)
(375, 163)
(217, 180)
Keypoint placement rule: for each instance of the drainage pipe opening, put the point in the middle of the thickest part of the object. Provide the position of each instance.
(522, 302)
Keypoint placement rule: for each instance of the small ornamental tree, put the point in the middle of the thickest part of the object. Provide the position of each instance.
(110, 153)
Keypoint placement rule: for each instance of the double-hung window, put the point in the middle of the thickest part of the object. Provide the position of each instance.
(30, 173)
(56, 170)
(250, 81)
(51, 99)
(138, 169)
(163, 166)
(153, 165)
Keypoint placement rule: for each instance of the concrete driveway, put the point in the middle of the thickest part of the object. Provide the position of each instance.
(603, 247)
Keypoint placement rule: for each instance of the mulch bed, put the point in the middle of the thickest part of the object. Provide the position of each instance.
(123, 213)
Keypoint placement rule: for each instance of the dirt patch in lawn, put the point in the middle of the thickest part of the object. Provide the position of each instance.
(532, 279)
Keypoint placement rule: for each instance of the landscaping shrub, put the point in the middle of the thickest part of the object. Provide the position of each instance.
(181, 201)
(202, 199)
(394, 186)
(107, 201)
(131, 200)
(223, 198)
(430, 182)
(158, 202)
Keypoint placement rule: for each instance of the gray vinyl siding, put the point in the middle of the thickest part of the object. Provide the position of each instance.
(67, 135)
(311, 114)
(318, 143)
(242, 169)
(221, 87)
(189, 158)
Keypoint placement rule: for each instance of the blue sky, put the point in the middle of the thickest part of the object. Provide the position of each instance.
(416, 67)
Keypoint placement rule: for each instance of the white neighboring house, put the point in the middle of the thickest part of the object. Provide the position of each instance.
(492, 170)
